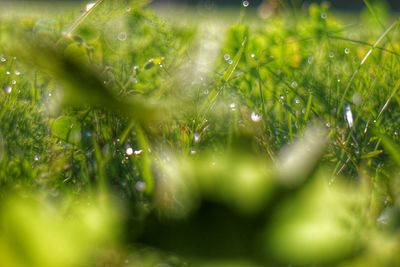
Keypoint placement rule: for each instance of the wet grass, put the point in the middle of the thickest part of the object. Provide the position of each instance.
(198, 137)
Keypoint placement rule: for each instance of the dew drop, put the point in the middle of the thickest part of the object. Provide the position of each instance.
(256, 117)
(13, 82)
(138, 152)
(129, 151)
(196, 137)
(294, 84)
(357, 99)
(227, 57)
(331, 54)
(36, 158)
(348, 115)
(90, 6)
(17, 72)
(230, 62)
(128, 9)
(2, 59)
(310, 60)
(8, 72)
(140, 186)
(324, 15)
(252, 55)
(384, 218)
(297, 101)
(246, 3)
(347, 51)
(8, 89)
(232, 106)
(122, 36)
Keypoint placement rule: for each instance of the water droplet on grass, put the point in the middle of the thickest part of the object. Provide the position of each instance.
(8, 72)
(129, 151)
(297, 101)
(294, 84)
(324, 15)
(256, 117)
(128, 9)
(347, 51)
(230, 62)
(227, 57)
(232, 106)
(196, 137)
(2, 59)
(17, 72)
(331, 54)
(252, 55)
(357, 99)
(36, 158)
(122, 36)
(8, 89)
(140, 186)
(348, 115)
(13, 82)
(245, 3)
(384, 218)
(90, 6)
(138, 152)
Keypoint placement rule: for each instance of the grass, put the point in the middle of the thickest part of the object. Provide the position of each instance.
(132, 137)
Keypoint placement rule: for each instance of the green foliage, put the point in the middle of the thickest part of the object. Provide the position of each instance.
(130, 140)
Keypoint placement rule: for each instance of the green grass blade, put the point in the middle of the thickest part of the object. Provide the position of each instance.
(229, 72)
(390, 146)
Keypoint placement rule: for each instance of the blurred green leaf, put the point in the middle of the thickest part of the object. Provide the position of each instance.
(68, 129)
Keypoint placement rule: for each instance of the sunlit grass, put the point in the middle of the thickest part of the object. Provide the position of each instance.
(195, 137)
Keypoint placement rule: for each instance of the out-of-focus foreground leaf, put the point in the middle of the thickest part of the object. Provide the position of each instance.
(81, 85)
(35, 232)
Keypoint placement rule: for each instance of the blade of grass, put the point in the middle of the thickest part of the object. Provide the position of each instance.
(390, 146)
(145, 161)
(82, 85)
(364, 59)
(228, 73)
(308, 108)
(89, 8)
(364, 43)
